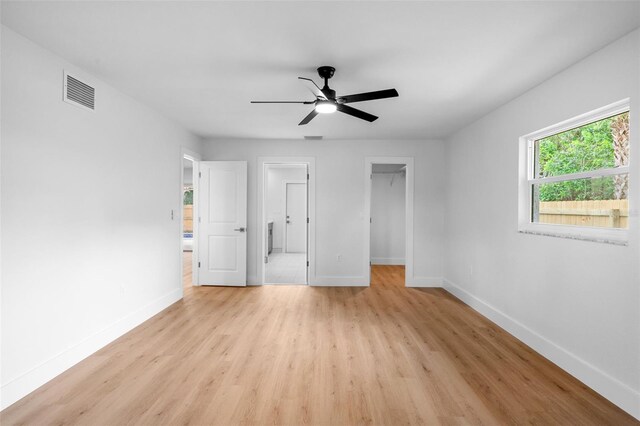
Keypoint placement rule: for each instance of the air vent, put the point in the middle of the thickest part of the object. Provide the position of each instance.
(313, 138)
(78, 93)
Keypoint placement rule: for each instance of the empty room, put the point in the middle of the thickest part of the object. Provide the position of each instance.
(320, 212)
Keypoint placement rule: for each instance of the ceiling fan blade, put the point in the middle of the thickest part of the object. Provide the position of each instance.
(283, 102)
(368, 96)
(356, 113)
(313, 87)
(308, 118)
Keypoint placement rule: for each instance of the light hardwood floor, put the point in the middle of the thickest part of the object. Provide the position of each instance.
(300, 355)
(187, 271)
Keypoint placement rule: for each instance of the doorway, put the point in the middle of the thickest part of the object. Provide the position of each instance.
(389, 221)
(187, 216)
(286, 224)
(187, 221)
(387, 242)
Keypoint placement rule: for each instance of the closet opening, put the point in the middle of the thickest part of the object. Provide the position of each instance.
(387, 219)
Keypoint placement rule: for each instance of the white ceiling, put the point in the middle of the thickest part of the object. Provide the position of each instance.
(201, 63)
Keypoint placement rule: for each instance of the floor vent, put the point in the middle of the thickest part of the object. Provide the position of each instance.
(78, 93)
(313, 138)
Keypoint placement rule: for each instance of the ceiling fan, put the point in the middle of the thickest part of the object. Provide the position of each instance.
(327, 102)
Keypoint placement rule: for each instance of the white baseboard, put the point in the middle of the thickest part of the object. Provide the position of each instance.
(387, 260)
(339, 281)
(611, 388)
(38, 376)
(424, 282)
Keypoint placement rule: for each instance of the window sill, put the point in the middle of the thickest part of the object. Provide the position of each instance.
(619, 237)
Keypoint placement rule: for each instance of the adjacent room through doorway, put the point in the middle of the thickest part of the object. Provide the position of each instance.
(286, 223)
(187, 222)
(388, 206)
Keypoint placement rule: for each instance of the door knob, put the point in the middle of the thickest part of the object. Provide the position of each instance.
(241, 229)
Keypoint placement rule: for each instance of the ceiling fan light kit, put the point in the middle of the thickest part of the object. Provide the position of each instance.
(325, 107)
(327, 102)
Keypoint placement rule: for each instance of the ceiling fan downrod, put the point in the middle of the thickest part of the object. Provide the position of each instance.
(326, 72)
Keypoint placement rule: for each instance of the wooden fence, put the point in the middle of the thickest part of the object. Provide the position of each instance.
(601, 213)
(188, 219)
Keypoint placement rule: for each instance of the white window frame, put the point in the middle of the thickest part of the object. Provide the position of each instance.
(527, 180)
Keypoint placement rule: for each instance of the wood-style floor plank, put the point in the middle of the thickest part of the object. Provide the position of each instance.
(187, 271)
(297, 355)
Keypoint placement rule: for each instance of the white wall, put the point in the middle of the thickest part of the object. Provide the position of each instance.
(84, 260)
(187, 172)
(276, 198)
(576, 302)
(340, 192)
(388, 218)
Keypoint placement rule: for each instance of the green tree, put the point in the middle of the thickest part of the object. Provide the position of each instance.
(188, 198)
(585, 148)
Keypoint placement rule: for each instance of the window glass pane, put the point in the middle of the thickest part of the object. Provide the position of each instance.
(598, 145)
(599, 202)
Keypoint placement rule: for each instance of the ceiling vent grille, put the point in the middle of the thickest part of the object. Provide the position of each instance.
(78, 93)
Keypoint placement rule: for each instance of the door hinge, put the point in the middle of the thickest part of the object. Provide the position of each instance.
(199, 219)
(199, 174)
(307, 176)
(307, 263)
(198, 264)
(307, 220)
(371, 176)
(266, 259)
(370, 220)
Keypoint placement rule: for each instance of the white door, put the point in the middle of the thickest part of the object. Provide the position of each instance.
(223, 223)
(296, 218)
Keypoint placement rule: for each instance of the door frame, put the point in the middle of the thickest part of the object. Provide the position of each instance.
(195, 158)
(261, 241)
(284, 230)
(409, 193)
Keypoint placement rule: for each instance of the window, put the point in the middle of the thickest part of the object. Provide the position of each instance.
(576, 180)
